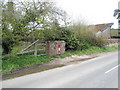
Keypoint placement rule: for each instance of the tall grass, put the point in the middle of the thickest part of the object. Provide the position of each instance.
(86, 36)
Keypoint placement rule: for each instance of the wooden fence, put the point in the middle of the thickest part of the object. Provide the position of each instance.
(36, 49)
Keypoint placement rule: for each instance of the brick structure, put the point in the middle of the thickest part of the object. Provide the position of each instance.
(55, 48)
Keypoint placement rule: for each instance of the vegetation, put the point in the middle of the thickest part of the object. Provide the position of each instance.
(117, 13)
(25, 22)
(90, 50)
(11, 63)
(42, 21)
(77, 37)
(16, 62)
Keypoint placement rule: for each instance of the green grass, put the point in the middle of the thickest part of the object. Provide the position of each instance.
(15, 62)
(35, 70)
(88, 51)
(11, 63)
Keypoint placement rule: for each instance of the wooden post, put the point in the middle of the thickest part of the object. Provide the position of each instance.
(35, 53)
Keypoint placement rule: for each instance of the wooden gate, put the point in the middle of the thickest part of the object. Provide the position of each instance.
(36, 48)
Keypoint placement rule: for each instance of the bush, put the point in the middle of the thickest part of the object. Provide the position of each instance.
(77, 37)
(16, 49)
(98, 42)
(72, 42)
(50, 35)
(8, 41)
(86, 37)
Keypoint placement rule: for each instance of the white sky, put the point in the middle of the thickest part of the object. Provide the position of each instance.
(89, 11)
(92, 11)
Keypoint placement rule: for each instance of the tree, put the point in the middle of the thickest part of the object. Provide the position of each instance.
(27, 21)
(117, 13)
(8, 20)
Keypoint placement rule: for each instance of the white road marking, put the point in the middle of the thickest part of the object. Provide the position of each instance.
(112, 69)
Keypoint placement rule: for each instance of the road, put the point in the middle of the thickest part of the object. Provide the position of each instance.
(100, 72)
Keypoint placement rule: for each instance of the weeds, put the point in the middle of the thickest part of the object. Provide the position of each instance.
(11, 63)
(15, 62)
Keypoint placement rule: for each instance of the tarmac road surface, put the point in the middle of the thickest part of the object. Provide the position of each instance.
(100, 72)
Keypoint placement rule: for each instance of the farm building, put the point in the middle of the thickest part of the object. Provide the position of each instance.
(102, 30)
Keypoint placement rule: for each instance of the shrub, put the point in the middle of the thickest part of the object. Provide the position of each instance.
(99, 42)
(86, 36)
(77, 37)
(16, 49)
(72, 42)
(8, 41)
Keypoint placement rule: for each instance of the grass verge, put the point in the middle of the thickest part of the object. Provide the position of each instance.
(11, 63)
(34, 70)
(88, 51)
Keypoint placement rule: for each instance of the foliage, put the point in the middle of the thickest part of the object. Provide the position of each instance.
(42, 21)
(25, 21)
(84, 37)
(16, 49)
(54, 33)
(90, 50)
(15, 62)
(11, 63)
(77, 37)
(117, 13)
(8, 41)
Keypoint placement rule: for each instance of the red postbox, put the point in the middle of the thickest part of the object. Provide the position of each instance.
(59, 48)
(55, 48)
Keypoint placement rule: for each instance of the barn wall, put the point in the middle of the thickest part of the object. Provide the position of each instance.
(104, 34)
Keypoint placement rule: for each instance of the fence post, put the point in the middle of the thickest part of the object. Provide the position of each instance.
(35, 53)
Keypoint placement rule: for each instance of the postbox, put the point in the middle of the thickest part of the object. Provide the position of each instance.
(55, 48)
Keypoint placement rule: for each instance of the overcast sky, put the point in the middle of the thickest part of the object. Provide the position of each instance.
(90, 11)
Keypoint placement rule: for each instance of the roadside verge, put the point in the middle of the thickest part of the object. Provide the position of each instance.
(65, 59)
